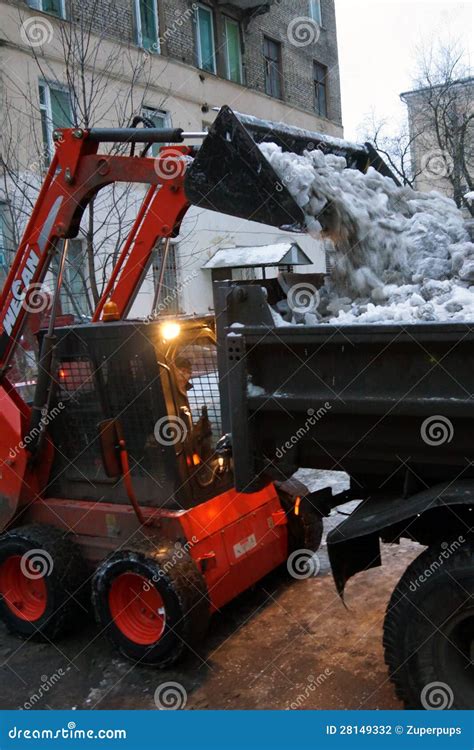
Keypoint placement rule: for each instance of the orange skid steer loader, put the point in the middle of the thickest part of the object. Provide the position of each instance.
(114, 479)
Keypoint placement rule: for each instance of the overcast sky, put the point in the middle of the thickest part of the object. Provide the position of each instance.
(377, 48)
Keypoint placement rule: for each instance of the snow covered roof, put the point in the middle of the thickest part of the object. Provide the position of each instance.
(280, 254)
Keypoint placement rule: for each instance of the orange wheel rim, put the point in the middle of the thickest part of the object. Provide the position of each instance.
(137, 608)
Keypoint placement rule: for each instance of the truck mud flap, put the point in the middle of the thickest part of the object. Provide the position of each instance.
(354, 545)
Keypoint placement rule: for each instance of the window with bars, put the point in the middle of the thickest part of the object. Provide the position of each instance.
(320, 73)
(233, 50)
(165, 280)
(273, 71)
(56, 112)
(54, 7)
(146, 20)
(205, 41)
(6, 241)
(73, 293)
(160, 119)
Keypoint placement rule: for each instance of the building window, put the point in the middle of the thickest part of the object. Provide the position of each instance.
(273, 74)
(167, 298)
(6, 242)
(315, 11)
(74, 290)
(55, 109)
(233, 50)
(320, 73)
(206, 48)
(54, 7)
(146, 16)
(160, 119)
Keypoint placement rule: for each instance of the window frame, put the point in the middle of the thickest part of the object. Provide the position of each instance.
(76, 252)
(38, 5)
(4, 231)
(171, 270)
(279, 46)
(324, 84)
(47, 110)
(153, 113)
(233, 22)
(210, 11)
(156, 47)
(313, 4)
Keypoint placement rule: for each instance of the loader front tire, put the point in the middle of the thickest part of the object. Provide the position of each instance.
(43, 591)
(152, 602)
(429, 629)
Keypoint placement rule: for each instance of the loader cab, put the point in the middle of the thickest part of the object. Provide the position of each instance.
(127, 372)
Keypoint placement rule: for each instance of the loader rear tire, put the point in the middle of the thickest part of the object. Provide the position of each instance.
(429, 629)
(152, 602)
(43, 591)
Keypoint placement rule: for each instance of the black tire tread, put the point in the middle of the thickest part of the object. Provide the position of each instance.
(69, 575)
(404, 673)
(187, 583)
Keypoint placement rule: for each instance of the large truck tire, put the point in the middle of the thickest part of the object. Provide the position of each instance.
(43, 590)
(429, 629)
(152, 602)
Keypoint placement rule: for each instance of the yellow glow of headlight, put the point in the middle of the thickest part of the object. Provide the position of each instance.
(170, 330)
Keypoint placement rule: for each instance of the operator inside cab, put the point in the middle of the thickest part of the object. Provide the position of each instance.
(201, 432)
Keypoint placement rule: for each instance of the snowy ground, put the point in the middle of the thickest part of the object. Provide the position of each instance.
(398, 255)
(318, 480)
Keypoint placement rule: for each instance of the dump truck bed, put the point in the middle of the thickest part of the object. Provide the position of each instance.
(371, 400)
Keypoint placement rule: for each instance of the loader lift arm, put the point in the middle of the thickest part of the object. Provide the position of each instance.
(77, 172)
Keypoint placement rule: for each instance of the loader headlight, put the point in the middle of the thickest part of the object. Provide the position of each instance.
(170, 330)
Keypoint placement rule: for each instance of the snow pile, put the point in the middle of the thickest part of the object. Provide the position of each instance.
(397, 254)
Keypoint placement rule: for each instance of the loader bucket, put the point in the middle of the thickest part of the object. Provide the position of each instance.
(230, 175)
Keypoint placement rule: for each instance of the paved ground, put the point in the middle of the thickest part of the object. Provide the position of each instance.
(283, 644)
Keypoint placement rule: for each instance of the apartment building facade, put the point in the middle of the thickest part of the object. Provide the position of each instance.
(174, 62)
(441, 127)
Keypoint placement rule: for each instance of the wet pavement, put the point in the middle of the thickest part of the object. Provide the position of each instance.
(283, 644)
